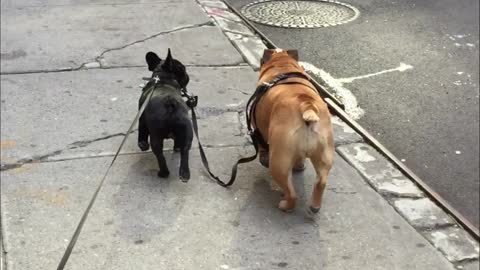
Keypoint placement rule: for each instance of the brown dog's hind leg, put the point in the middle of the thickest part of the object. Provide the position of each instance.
(322, 162)
(263, 156)
(281, 170)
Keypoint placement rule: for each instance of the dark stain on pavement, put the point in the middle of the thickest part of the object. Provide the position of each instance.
(13, 54)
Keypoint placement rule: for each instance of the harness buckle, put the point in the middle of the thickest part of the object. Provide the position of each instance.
(267, 84)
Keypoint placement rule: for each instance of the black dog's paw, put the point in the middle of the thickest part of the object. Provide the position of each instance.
(184, 175)
(144, 146)
(163, 173)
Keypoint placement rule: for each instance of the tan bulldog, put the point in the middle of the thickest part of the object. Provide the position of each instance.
(295, 122)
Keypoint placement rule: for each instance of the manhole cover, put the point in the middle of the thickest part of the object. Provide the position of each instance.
(300, 14)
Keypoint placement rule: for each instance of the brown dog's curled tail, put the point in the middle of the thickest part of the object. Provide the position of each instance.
(310, 116)
(309, 111)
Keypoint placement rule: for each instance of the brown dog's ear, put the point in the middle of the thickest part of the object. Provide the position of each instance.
(293, 54)
(267, 54)
(152, 60)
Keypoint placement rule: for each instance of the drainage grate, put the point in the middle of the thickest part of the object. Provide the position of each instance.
(300, 14)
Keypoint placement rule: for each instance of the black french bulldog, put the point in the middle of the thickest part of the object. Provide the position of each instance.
(166, 115)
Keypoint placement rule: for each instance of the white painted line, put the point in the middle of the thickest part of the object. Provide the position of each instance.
(402, 67)
(345, 95)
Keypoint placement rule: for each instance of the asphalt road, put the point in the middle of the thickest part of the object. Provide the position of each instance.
(428, 115)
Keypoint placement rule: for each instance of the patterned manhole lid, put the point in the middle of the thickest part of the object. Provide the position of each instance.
(300, 14)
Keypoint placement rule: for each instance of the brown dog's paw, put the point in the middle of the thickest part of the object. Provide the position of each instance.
(311, 211)
(285, 206)
(264, 159)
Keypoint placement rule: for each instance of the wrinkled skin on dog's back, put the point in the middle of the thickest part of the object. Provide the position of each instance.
(166, 115)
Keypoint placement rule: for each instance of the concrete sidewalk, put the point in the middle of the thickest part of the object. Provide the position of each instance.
(69, 90)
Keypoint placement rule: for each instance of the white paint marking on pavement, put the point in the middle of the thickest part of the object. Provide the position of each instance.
(345, 95)
(403, 67)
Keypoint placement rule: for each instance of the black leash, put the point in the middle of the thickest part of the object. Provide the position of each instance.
(76, 234)
(192, 103)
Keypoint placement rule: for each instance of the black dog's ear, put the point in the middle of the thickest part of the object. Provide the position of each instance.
(168, 64)
(152, 60)
(293, 54)
(267, 54)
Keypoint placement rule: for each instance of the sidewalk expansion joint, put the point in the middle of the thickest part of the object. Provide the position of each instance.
(45, 157)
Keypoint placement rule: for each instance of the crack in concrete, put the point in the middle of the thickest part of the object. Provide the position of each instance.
(241, 125)
(428, 229)
(463, 263)
(45, 157)
(80, 144)
(334, 190)
(82, 67)
(205, 112)
(38, 71)
(100, 57)
(4, 252)
(84, 143)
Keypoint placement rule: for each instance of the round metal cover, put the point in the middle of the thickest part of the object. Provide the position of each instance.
(300, 14)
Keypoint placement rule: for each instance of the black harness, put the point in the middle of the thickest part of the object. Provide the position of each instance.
(263, 88)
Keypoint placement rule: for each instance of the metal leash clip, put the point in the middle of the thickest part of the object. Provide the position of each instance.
(192, 100)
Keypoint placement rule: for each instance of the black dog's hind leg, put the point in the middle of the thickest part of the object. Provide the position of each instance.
(142, 134)
(176, 143)
(184, 137)
(184, 170)
(157, 148)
